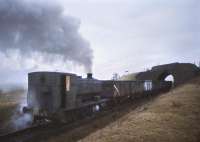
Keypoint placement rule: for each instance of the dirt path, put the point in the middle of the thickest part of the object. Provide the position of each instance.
(171, 117)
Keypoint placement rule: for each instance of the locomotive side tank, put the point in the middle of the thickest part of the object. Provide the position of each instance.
(88, 88)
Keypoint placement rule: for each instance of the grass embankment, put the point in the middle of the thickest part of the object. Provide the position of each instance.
(9, 106)
(171, 117)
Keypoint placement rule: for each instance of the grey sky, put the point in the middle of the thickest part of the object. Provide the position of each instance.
(131, 34)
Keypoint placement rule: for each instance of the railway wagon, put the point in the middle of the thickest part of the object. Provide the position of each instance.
(132, 89)
(113, 88)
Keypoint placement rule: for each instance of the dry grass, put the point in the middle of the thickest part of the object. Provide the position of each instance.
(171, 117)
(9, 106)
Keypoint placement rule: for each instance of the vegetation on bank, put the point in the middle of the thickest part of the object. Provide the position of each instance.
(171, 117)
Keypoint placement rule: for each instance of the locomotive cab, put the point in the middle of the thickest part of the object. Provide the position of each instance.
(47, 92)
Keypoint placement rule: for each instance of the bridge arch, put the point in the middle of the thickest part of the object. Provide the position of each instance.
(170, 78)
(162, 76)
(166, 76)
(181, 72)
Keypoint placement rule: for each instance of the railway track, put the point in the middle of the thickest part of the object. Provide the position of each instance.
(44, 131)
(38, 132)
(25, 134)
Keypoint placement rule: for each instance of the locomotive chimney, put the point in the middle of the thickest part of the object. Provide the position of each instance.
(89, 75)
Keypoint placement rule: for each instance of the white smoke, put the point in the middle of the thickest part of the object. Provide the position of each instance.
(14, 119)
(21, 121)
(41, 31)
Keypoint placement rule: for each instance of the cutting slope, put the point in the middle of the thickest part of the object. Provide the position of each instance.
(171, 117)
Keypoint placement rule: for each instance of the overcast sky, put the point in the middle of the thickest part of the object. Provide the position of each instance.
(129, 35)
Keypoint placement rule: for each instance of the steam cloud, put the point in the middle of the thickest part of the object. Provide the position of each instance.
(41, 30)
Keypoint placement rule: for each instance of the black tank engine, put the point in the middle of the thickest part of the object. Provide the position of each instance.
(56, 95)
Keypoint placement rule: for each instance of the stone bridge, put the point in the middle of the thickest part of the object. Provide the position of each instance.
(181, 72)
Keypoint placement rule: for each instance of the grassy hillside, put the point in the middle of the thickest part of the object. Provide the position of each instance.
(171, 117)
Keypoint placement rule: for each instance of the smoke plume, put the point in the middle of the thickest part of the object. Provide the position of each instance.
(41, 30)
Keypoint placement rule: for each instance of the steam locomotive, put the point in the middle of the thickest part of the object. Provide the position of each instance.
(66, 96)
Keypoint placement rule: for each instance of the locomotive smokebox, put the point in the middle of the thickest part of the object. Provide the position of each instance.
(89, 75)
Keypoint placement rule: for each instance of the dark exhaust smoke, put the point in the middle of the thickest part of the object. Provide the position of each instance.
(41, 31)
